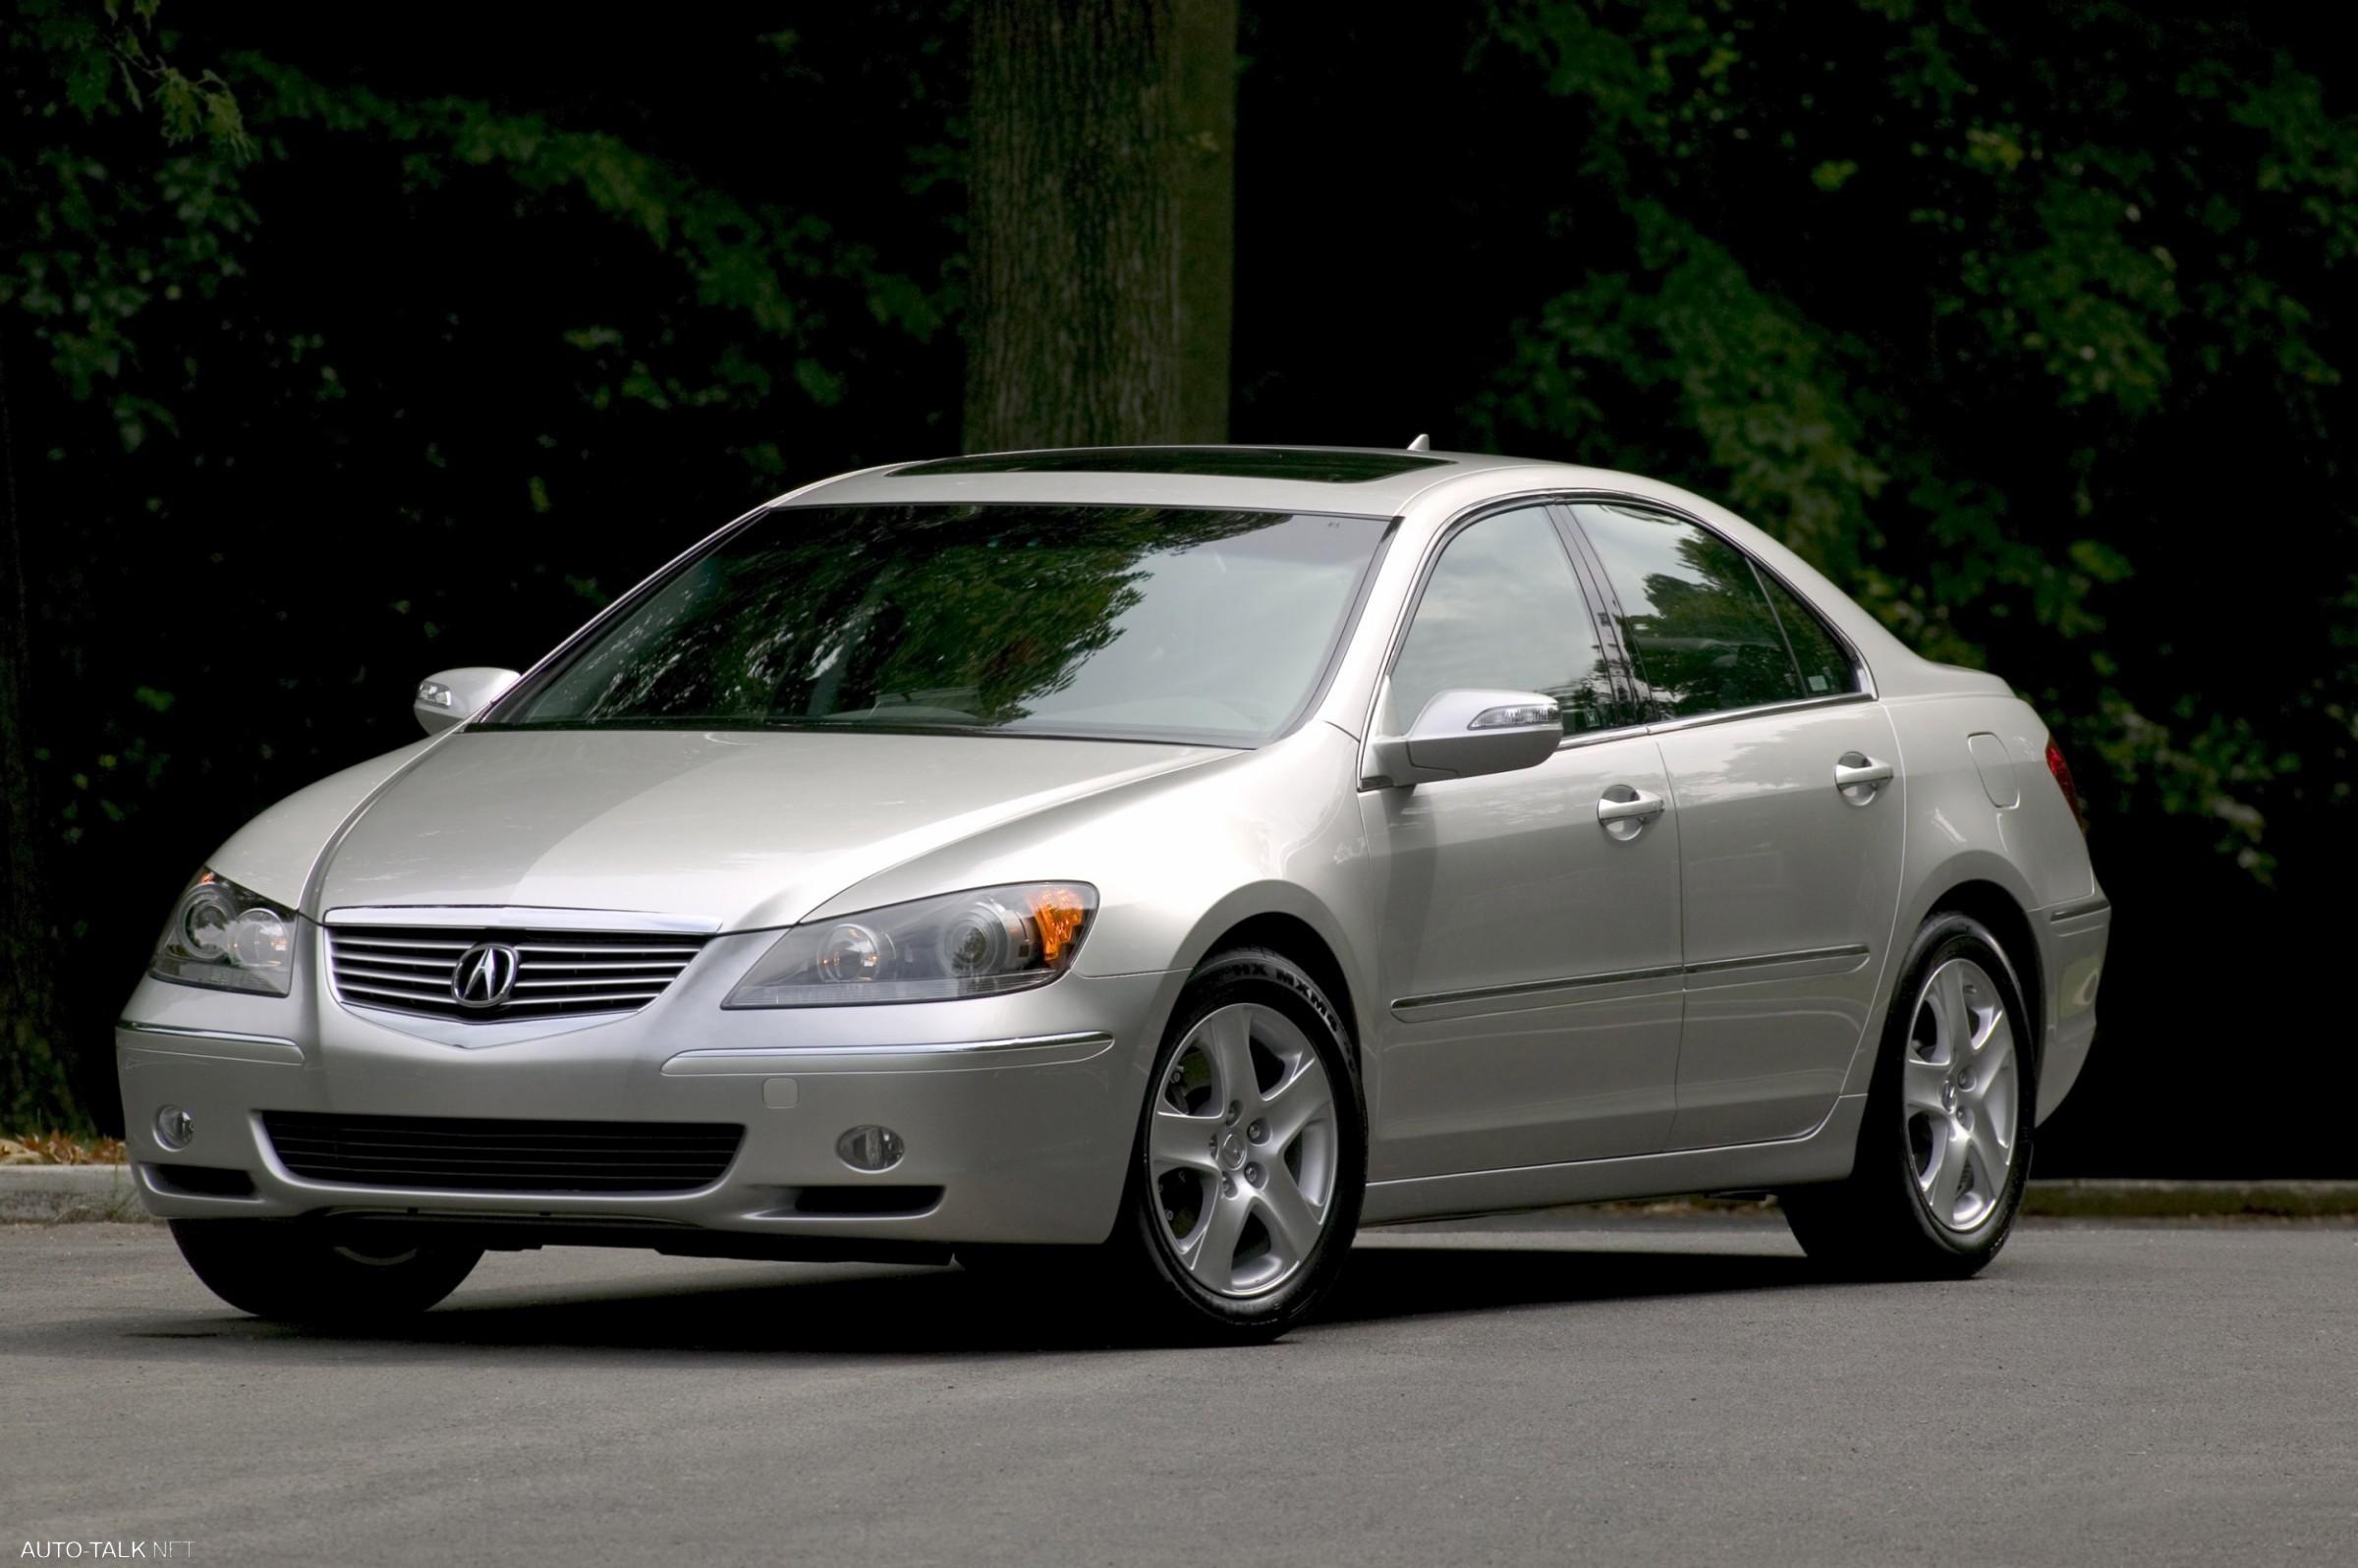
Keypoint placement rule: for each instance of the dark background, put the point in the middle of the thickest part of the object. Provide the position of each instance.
(487, 321)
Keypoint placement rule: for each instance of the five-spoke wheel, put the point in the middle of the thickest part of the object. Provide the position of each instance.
(1241, 1150)
(1961, 1094)
(1252, 1155)
(1946, 1144)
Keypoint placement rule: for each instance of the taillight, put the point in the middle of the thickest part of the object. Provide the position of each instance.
(2063, 771)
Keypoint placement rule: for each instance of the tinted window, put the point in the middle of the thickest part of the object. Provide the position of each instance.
(1502, 609)
(1694, 617)
(1141, 622)
(1825, 666)
(1225, 462)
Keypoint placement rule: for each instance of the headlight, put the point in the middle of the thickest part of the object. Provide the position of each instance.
(984, 943)
(222, 936)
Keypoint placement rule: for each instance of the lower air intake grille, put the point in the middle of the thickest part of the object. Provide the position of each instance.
(466, 1153)
(489, 977)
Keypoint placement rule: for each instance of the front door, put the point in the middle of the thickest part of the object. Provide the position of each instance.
(1790, 820)
(1530, 950)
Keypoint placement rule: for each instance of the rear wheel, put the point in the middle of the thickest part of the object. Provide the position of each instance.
(297, 1274)
(1946, 1144)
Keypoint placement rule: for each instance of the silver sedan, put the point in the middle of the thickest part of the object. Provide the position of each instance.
(1152, 863)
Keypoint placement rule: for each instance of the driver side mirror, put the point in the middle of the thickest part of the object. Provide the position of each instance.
(1466, 734)
(453, 697)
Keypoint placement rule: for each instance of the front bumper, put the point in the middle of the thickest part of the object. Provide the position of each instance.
(1021, 1110)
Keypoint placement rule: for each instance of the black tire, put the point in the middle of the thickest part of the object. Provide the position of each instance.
(1880, 1222)
(293, 1272)
(1175, 1296)
(1138, 1265)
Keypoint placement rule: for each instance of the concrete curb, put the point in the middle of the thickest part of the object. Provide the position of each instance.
(59, 1194)
(2106, 1199)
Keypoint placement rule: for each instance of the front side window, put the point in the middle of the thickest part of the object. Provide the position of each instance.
(1502, 609)
(1694, 617)
(1148, 623)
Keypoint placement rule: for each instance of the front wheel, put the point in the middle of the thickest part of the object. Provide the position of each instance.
(292, 1272)
(1946, 1144)
(1250, 1159)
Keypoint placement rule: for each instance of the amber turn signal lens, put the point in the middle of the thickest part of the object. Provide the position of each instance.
(1059, 913)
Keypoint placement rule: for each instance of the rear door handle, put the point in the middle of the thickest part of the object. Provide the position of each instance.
(1628, 803)
(1858, 776)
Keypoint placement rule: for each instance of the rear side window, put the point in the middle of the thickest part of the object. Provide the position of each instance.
(1698, 625)
(1825, 666)
(1502, 609)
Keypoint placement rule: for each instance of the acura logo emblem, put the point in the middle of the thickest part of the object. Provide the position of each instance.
(485, 975)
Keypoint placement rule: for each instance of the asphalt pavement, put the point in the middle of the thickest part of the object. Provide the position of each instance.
(1564, 1388)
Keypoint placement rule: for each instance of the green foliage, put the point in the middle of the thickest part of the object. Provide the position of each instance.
(754, 261)
(2108, 227)
(1757, 384)
(95, 246)
(93, 51)
(94, 249)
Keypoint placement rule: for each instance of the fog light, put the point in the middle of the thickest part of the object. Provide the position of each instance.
(870, 1149)
(174, 1128)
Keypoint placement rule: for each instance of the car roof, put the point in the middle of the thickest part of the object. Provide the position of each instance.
(1366, 481)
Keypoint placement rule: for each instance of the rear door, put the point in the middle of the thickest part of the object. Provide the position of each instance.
(1528, 949)
(1790, 815)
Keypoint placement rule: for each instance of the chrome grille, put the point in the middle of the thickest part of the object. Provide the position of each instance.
(411, 969)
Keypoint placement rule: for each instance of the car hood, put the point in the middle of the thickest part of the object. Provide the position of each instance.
(742, 830)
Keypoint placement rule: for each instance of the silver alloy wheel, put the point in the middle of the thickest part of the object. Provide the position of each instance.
(1241, 1150)
(1961, 1094)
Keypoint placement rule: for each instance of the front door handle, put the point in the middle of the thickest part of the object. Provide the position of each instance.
(1859, 776)
(1634, 803)
(1625, 810)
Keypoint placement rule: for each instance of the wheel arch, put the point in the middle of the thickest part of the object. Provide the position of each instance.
(1295, 939)
(1996, 908)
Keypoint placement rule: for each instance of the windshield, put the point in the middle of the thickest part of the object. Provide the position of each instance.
(1148, 623)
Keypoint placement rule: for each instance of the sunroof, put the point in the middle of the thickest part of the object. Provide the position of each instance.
(1222, 461)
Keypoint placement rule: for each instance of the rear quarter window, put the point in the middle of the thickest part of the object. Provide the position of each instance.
(1694, 616)
(1824, 664)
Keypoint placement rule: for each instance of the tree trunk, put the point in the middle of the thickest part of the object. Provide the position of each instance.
(1102, 199)
(35, 1091)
